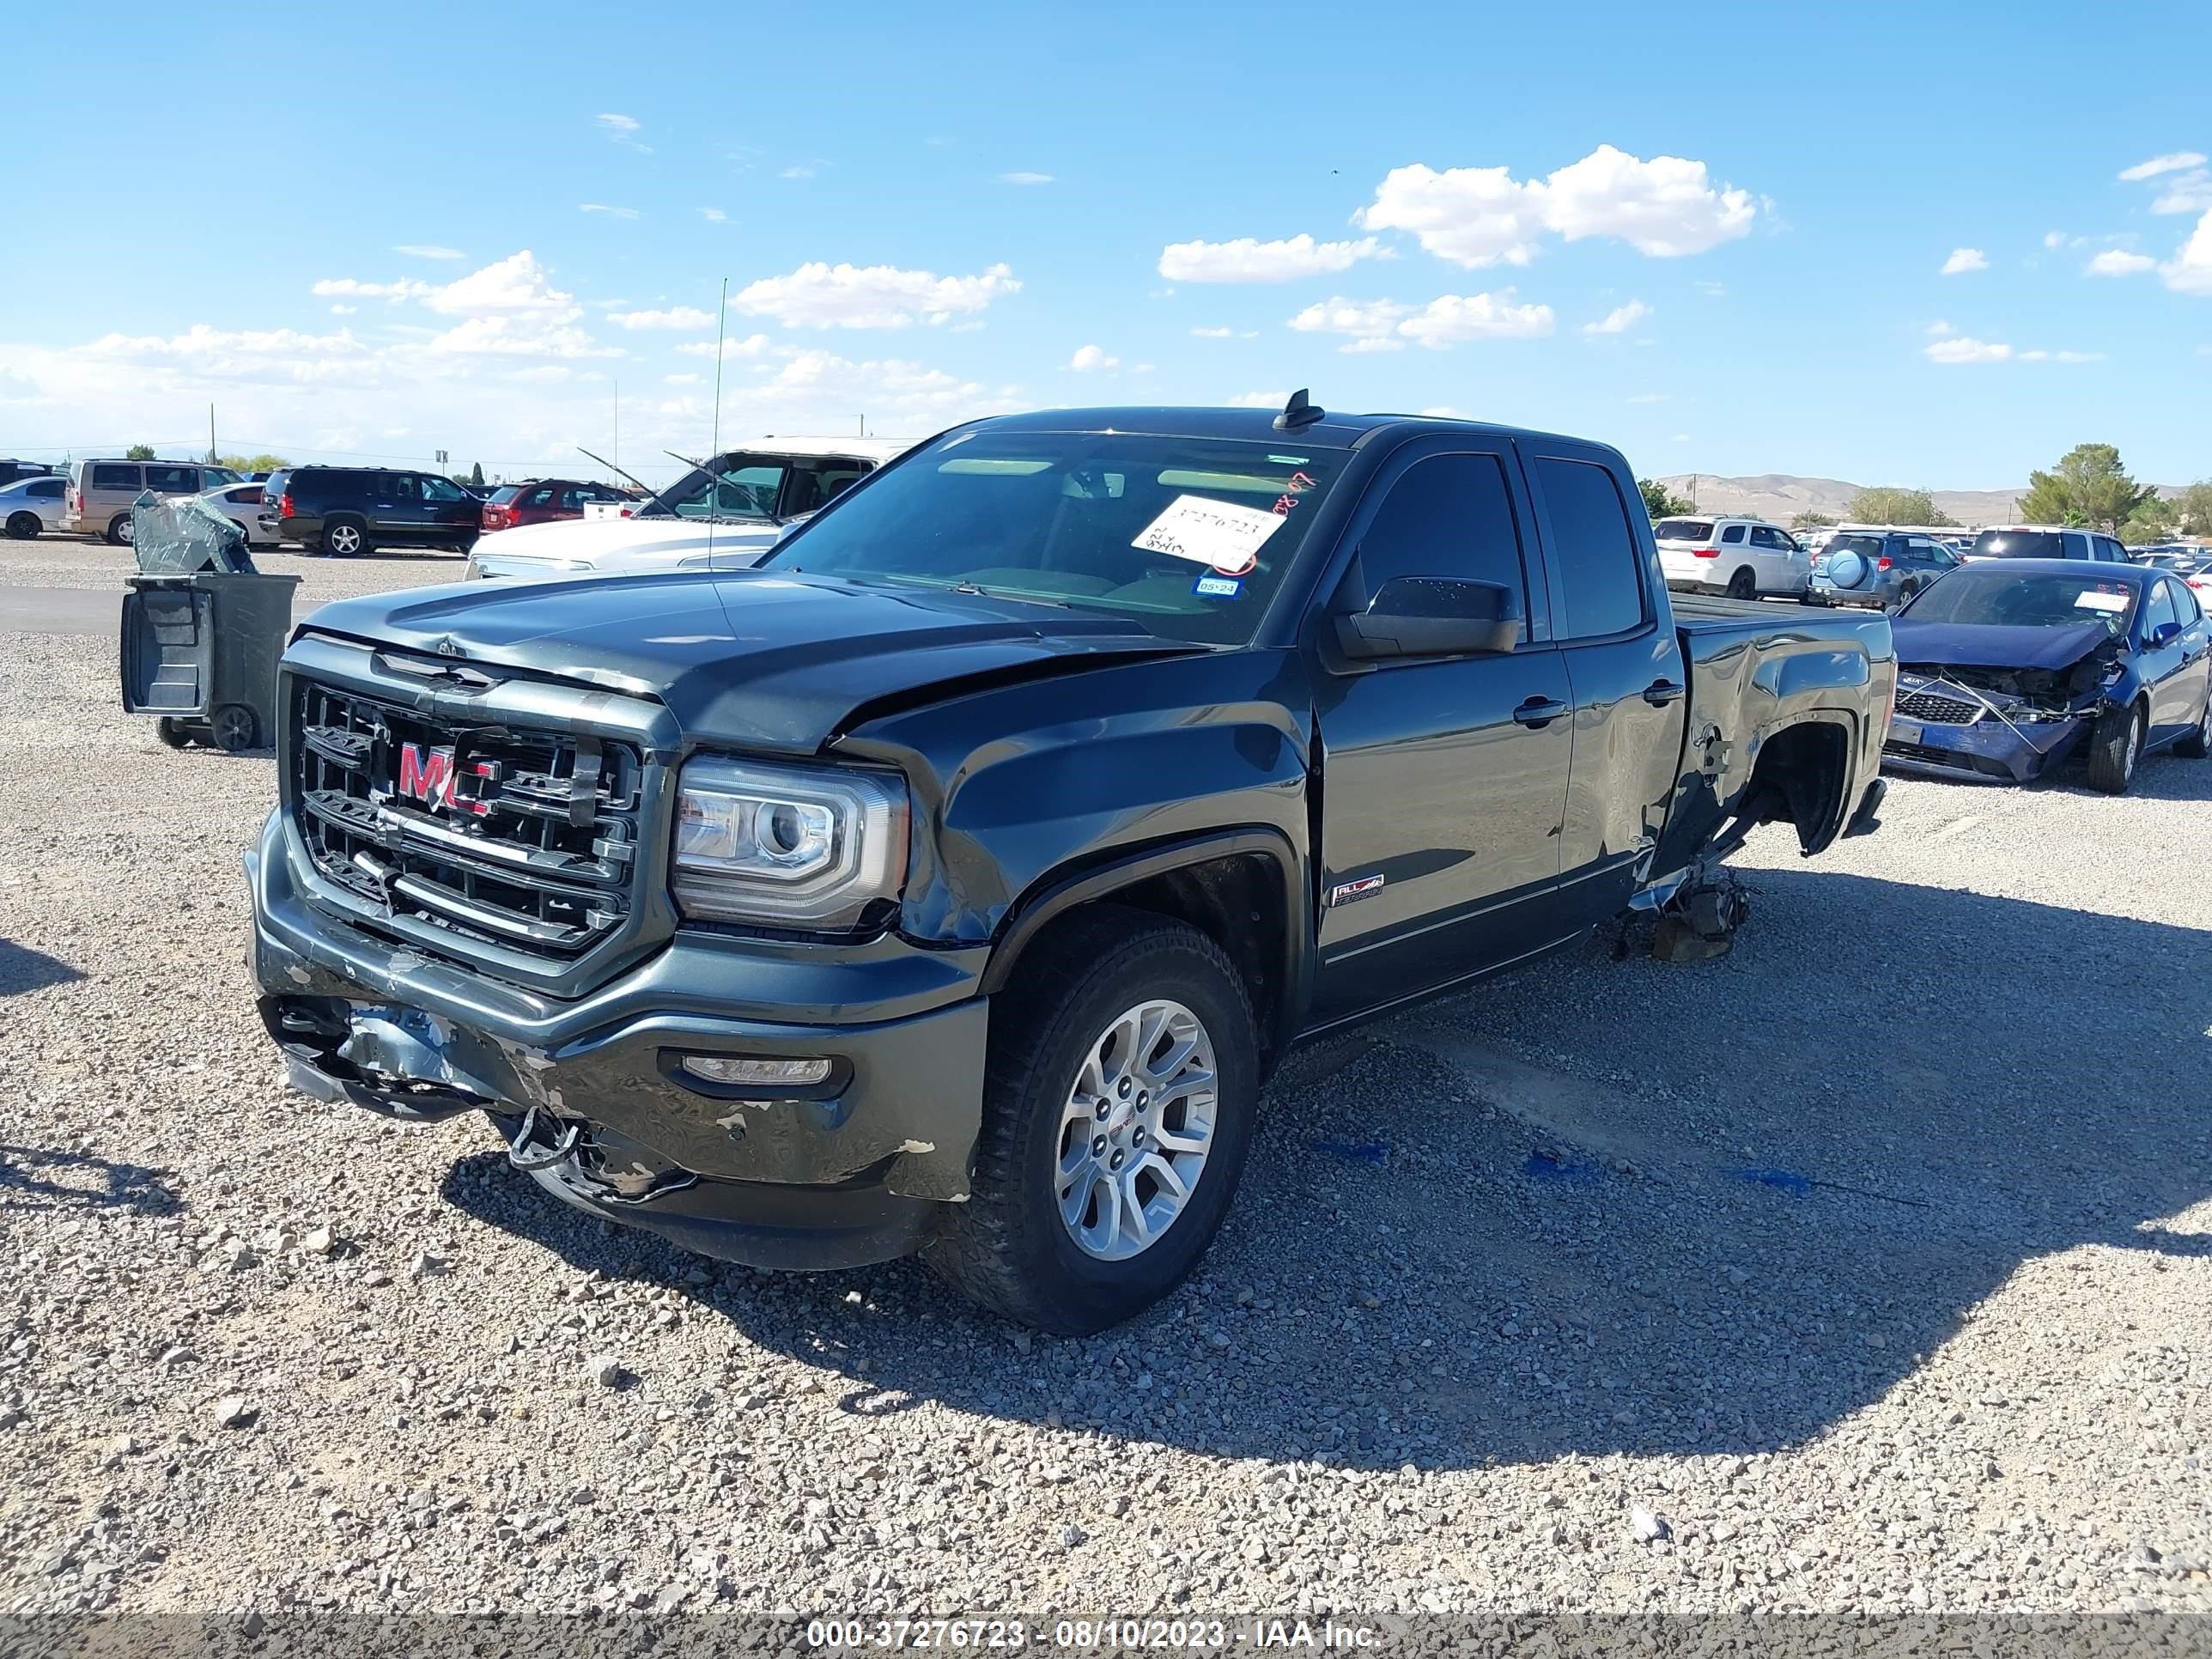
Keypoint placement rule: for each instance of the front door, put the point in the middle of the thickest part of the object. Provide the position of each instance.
(2173, 672)
(1442, 782)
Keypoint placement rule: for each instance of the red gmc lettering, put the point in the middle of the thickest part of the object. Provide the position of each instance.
(429, 776)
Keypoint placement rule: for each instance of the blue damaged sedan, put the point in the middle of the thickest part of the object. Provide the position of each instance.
(2007, 667)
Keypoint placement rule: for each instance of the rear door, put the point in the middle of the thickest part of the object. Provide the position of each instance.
(1624, 665)
(449, 513)
(1441, 780)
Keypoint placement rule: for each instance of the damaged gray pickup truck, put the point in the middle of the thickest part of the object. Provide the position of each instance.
(952, 882)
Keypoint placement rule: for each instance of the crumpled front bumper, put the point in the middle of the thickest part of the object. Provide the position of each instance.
(850, 1171)
(1988, 751)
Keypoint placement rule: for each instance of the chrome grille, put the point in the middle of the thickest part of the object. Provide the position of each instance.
(1939, 710)
(491, 834)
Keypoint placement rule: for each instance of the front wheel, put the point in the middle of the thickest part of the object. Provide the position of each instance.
(2114, 748)
(1118, 1106)
(25, 527)
(122, 530)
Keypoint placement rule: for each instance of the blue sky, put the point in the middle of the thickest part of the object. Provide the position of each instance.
(444, 227)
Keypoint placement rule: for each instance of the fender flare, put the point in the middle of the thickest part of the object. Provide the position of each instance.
(1054, 893)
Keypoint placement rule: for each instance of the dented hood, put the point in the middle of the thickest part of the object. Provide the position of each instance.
(766, 660)
(1988, 645)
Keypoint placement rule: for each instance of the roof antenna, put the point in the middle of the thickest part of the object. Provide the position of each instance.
(1298, 414)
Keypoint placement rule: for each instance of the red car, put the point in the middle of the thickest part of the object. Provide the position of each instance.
(541, 501)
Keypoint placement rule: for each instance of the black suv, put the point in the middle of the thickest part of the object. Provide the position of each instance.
(346, 511)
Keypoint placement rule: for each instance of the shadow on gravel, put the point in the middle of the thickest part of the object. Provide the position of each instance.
(34, 1178)
(25, 970)
(1709, 1210)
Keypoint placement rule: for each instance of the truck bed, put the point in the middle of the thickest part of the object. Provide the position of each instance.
(1755, 669)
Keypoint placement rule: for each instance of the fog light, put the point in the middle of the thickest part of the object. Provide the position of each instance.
(729, 1068)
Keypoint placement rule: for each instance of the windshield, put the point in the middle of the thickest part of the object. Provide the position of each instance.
(2019, 544)
(1187, 536)
(741, 487)
(1979, 595)
(1683, 529)
(505, 494)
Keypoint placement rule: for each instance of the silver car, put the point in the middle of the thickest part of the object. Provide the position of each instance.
(31, 506)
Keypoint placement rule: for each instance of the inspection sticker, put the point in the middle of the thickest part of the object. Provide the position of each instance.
(1219, 533)
(2092, 599)
(1218, 587)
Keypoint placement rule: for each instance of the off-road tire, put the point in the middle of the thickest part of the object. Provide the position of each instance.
(1007, 1247)
(2198, 744)
(2115, 747)
(1744, 584)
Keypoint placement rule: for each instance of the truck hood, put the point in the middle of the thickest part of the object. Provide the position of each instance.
(618, 544)
(769, 660)
(1990, 645)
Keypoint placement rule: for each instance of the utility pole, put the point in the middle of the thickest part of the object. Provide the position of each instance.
(615, 449)
(210, 435)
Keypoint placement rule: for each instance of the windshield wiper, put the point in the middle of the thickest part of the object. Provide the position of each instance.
(634, 478)
(715, 512)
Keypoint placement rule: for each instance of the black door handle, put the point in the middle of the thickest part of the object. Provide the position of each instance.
(1660, 693)
(1540, 711)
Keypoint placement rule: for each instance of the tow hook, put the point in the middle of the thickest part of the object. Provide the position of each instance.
(533, 1159)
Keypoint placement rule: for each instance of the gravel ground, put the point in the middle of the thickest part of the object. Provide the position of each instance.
(1863, 1269)
(68, 561)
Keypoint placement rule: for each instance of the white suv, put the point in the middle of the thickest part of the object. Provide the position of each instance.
(1742, 558)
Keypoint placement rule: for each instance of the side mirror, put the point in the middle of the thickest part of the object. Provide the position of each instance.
(2165, 634)
(1432, 617)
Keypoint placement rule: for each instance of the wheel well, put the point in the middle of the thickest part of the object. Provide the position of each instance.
(1237, 902)
(1800, 777)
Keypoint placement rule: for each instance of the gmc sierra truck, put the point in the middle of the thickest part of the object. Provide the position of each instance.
(951, 882)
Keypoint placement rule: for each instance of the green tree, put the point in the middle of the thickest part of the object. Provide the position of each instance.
(139, 452)
(475, 474)
(1810, 521)
(2193, 510)
(1658, 503)
(2089, 487)
(255, 463)
(1886, 504)
(2156, 520)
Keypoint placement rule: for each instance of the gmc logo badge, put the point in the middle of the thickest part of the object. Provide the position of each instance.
(427, 775)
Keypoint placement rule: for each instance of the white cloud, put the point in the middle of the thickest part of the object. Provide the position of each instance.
(622, 129)
(1025, 177)
(819, 295)
(611, 212)
(2189, 270)
(2054, 239)
(798, 173)
(429, 251)
(1449, 320)
(344, 311)
(2176, 162)
(1965, 349)
(753, 345)
(2192, 192)
(405, 288)
(714, 216)
(1259, 400)
(1619, 319)
(1964, 260)
(509, 307)
(1939, 328)
(1090, 357)
(1250, 260)
(689, 316)
(1475, 217)
(516, 284)
(683, 379)
(1224, 334)
(827, 390)
(2116, 262)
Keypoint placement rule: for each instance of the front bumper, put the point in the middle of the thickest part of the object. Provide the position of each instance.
(1990, 750)
(848, 1171)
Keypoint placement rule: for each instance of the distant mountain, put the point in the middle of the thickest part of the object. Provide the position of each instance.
(1781, 496)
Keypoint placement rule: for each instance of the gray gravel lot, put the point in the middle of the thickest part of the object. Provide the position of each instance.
(71, 562)
(1863, 1269)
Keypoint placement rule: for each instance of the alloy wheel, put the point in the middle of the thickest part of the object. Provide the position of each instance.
(342, 539)
(1136, 1130)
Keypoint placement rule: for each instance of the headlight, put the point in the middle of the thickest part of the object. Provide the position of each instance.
(473, 572)
(806, 847)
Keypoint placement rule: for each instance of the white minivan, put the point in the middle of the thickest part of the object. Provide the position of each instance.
(1743, 558)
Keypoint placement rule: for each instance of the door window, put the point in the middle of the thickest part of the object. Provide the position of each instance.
(1733, 536)
(1772, 541)
(2158, 610)
(441, 489)
(2185, 605)
(45, 489)
(172, 480)
(2073, 545)
(113, 477)
(1600, 571)
(1449, 515)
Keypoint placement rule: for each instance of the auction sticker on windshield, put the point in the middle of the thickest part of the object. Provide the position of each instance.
(2091, 599)
(1218, 533)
